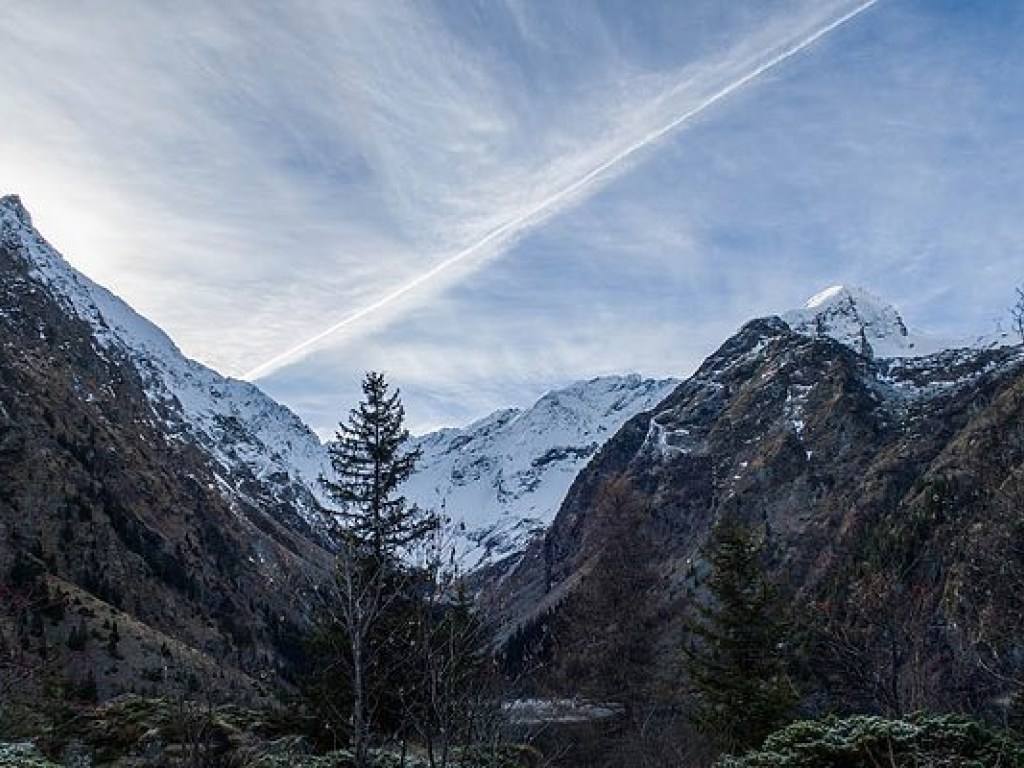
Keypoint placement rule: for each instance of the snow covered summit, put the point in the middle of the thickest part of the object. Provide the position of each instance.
(868, 324)
(502, 479)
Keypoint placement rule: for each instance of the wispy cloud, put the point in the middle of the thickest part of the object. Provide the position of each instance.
(359, 145)
(685, 101)
(248, 175)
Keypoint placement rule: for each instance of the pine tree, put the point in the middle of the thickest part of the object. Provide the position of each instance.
(78, 637)
(735, 655)
(112, 640)
(370, 464)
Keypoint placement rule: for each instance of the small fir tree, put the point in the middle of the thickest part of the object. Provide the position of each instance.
(113, 638)
(735, 650)
(78, 637)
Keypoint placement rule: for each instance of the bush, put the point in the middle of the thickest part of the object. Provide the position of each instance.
(922, 740)
(23, 755)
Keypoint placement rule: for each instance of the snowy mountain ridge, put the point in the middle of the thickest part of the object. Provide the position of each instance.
(238, 425)
(501, 479)
(524, 460)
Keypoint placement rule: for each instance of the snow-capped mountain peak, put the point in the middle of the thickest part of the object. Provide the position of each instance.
(863, 321)
(502, 478)
(244, 431)
(856, 317)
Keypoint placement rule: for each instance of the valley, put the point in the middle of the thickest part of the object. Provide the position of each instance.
(168, 552)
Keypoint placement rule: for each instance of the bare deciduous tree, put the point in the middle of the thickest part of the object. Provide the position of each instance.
(456, 703)
(1017, 314)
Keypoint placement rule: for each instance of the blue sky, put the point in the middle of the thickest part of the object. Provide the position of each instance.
(422, 174)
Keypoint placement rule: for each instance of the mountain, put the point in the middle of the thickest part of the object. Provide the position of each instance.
(501, 479)
(258, 445)
(141, 485)
(141, 489)
(888, 488)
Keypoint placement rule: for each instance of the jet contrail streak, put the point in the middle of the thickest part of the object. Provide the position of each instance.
(520, 222)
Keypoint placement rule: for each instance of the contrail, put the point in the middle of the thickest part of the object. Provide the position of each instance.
(520, 222)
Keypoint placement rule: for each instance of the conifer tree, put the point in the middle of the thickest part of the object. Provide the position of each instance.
(735, 655)
(370, 464)
(607, 617)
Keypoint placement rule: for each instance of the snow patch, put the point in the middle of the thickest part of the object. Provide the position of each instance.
(793, 408)
(542, 711)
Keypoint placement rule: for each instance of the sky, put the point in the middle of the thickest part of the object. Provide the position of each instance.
(487, 199)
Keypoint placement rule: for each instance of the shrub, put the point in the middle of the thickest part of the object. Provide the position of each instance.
(921, 740)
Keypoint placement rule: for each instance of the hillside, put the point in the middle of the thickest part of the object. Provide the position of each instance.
(141, 489)
(888, 487)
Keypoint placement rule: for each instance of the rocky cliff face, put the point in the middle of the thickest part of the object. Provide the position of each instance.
(139, 488)
(872, 477)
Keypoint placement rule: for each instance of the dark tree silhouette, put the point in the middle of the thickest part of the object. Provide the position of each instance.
(375, 524)
(370, 463)
(735, 652)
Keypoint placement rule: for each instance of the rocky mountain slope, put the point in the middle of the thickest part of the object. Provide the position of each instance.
(256, 443)
(141, 485)
(888, 487)
(140, 489)
(498, 479)
(502, 478)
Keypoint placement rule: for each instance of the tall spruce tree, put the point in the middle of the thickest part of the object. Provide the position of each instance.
(735, 653)
(363, 634)
(370, 464)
